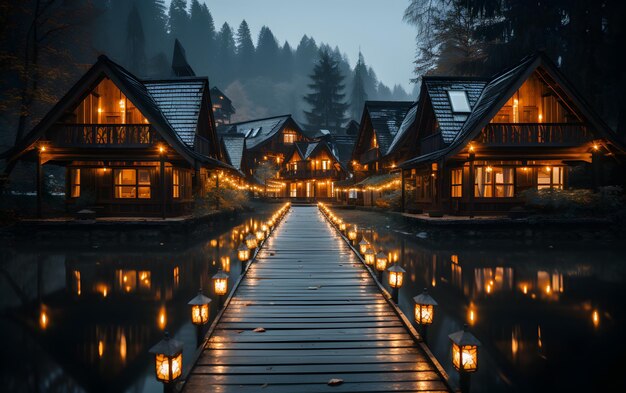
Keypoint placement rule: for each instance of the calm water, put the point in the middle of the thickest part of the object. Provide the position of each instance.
(84, 320)
(550, 316)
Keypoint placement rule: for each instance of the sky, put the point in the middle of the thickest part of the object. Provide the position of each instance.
(374, 26)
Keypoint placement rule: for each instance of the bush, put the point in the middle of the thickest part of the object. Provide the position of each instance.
(390, 200)
(575, 202)
(226, 198)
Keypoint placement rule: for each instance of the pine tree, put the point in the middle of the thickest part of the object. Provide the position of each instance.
(245, 49)
(154, 20)
(306, 54)
(178, 21)
(358, 96)
(286, 62)
(225, 55)
(135, 43)
(267, 52)
(202, 37)
(326, 99)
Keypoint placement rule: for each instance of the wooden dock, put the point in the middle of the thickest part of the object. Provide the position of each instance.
(324, 318)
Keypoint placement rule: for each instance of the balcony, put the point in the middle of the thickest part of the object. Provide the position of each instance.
(105, 135)
(369, 156)
(303, 174)
(535, 134)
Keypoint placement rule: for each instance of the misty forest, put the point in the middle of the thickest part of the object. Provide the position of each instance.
(48, 44)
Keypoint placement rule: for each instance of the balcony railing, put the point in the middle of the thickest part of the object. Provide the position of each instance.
(309, 174)
(105, 135)
(535, 134)
(369, 156)
(431, 143)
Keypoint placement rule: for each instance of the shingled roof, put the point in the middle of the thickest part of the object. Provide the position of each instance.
(255, 131)
(386, 118)
(234, 146)
(437, 89)
(409, 119)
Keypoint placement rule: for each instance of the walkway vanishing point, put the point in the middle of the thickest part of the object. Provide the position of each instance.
(324, 318)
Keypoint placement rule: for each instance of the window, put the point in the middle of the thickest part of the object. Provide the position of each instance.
(176, 183)
(293, 190)
(289, 137)
(132, 183)
(456, 180)
(75, 182)
(325, 165)
(550, 178)
(493, 182)
(459, 102)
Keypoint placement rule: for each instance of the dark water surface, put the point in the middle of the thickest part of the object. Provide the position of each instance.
(550, 315)
(83, 320)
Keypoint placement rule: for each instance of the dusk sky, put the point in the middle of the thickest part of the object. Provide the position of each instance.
(387, 42)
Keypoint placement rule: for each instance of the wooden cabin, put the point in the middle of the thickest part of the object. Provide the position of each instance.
(376, 152)
(223, 108)
(478, 144)
(131, 147)
(311, 170)
(269, 139)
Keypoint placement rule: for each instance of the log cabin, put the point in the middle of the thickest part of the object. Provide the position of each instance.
(311, 170)
(478, 144)
(130, 146)
(376, 152)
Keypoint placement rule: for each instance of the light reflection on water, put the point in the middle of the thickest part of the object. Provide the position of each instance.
(84, 319)
(550, 316)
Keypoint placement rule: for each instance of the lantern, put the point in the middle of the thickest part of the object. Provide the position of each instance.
(396, 275)
(251, 241)
(352, 234)
(424, 308)
(370, 256)
(199, 309)
(265, 229)
(381, 262)
(342, 227)
(363, 245)
(168, 354)
(243, 253)
(220, 283)
(260, 235)
(464, 351)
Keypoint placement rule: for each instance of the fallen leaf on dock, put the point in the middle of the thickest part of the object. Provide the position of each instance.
(259, 330)
(314, 288)
(335, 382)
(265, 385)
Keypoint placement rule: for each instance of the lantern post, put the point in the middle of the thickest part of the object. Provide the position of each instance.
(168, 361)
(464, 356)
(424, 311)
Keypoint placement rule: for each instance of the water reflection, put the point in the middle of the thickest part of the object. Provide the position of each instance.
(84, 319)
(538, 309)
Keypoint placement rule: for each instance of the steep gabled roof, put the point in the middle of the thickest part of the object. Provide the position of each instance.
(256, 132)
(307, 150)
(180, 101)
(386, 118)
(409, 119)
(165, 101)
(500, 89)
(180, 66)
(437, 89)
(234, 146)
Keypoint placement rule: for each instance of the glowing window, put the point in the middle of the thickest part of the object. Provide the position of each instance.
(132, 183)
(75, 182)
(456, 181)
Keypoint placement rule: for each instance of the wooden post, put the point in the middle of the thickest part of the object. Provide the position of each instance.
(163, 194)
(39, 185)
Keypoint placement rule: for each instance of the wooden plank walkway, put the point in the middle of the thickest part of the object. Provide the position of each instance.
(324, 317)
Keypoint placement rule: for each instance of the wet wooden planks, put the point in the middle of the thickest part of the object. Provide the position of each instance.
(323, 317)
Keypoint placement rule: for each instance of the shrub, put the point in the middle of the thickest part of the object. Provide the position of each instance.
(575, 202)
(390, 200)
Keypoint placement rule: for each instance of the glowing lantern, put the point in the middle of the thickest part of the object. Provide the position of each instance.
(220, 283)
(396, 276)
(381, 262)
(168, 354)
(352, 234)
(342, 227)
(464, 351)
(199, 309)
(424, 308)
(363, 245)
(260, 235)
(370, 256)
(251, 241)
(243, 253)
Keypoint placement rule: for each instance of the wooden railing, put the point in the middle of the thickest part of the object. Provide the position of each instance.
(431, 143)
(369, 156)
(535, 134)
(309, 174)
(105, 135)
